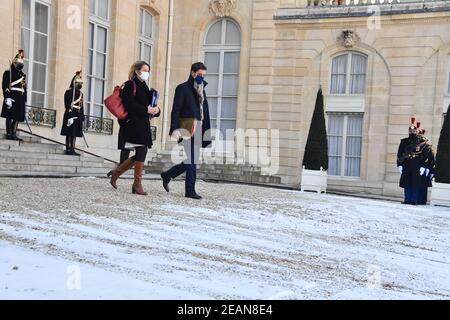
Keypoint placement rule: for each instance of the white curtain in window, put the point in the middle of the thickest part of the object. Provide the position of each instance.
(339, 74)
(449, 82)
(103, 9)
(98, 55)
(222, 57)
(214, 35)
(353, 146)
(233, 35)
(358, 74)
(344, 133)
(335, 135)
(146, 41)
(35, 37)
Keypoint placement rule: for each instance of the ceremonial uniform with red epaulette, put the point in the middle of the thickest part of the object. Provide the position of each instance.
(415, 160)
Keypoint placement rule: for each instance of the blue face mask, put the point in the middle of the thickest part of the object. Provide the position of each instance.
(199, 79)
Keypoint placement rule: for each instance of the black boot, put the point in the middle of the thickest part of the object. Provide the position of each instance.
(9, 129)
(74, 153)
(14, 136)
(68, 146)
(166, 180)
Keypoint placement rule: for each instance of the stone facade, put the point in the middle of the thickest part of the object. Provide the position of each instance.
(286, 53)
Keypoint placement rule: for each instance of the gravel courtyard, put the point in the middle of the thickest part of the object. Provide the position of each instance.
(240, 242)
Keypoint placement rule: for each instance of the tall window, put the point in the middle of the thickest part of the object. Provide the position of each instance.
(99, 23)
(146, 37)
(448, 75)
(35, 42)
(345, 143)
(222, 57)
(348, 74)
(345, 128)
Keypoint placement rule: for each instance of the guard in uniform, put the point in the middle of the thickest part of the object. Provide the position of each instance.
(74, 115)
(428, 163)
(15, 94)
(415, 161)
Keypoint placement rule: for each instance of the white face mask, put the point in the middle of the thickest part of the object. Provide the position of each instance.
(144, 76)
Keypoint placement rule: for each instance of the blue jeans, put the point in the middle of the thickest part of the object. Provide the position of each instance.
(192, 150)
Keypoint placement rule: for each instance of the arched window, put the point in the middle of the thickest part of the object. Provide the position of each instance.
(222, 49)
(146, 37)
(348, 74)
(346, 114)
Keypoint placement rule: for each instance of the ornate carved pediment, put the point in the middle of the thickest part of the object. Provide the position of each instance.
(348, 38)
(222, 8)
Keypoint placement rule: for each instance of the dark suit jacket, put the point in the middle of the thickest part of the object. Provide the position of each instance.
(186, 104)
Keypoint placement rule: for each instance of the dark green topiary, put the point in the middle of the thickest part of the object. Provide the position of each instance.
(443, 153)
(316, 151)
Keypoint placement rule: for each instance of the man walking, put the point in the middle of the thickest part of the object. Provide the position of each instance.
(190, 126)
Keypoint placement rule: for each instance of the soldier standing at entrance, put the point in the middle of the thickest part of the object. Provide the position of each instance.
(415, 160)
(428, 163)
(15, 94)
(72, 126)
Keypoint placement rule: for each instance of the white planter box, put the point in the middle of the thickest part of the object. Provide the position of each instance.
(314, 180)
(440, 194)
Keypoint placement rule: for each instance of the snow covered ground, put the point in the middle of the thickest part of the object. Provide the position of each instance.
(79, 239)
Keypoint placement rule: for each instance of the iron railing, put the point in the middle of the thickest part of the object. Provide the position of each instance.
(44, 117)
(38, 116)
(98, 125)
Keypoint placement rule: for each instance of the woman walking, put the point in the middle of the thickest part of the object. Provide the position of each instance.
(72, 126)
(135, 131)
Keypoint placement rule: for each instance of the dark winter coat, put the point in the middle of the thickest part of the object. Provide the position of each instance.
(136, 128)
(76, 129)
(17, 112)
(413, 155)
(186, 104)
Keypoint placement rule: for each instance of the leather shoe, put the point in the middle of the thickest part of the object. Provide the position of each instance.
(193, 196)
(166, 181)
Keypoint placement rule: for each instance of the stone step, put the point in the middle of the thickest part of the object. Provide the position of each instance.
(25, 138)
(19, 154)
(16, 143)
(128, 176)
(94, 171)
(36, 168)
(50, 156)
(77, 162)
(38, 147)
(34, 157)
(83, 157)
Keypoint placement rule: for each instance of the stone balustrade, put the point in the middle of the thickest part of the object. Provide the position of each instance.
(349, 3)
(318, 9)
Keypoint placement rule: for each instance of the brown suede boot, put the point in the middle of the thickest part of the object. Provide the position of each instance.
(120, 170)
(137, 185)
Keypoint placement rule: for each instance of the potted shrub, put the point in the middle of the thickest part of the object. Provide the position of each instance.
(315, 160)
(440, 193)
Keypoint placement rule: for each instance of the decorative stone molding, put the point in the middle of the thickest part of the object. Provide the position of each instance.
(348, 38)
(222, 8)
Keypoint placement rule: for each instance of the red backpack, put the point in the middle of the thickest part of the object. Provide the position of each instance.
(114, 102)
